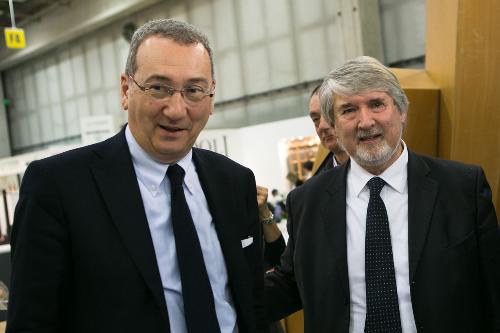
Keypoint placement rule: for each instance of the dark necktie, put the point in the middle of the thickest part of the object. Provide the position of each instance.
(382, 309)
(199, 307)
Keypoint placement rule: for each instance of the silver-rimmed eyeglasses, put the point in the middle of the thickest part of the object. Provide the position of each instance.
(160, 91)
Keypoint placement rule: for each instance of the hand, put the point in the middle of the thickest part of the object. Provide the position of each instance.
(264, 211)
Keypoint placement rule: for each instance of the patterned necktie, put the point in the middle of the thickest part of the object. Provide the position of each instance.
(199, 307)
(382, 309)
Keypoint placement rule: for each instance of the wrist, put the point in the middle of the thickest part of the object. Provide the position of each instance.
(268, 220)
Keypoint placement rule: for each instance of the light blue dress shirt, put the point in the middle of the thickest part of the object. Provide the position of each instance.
(155, 192)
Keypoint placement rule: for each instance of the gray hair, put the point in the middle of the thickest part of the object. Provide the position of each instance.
(356, 77)
(180, 32)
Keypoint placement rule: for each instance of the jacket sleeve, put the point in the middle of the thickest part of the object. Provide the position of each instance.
(489, 250)
(273, 251)
(281, 292)
(40, 257)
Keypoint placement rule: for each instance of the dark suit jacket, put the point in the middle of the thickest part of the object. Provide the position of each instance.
(82, 254)
(454, 251)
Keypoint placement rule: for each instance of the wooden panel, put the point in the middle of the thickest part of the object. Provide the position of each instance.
(463, 45)
(440, 63)
(476, 135)
(421, 132)
(294, 323)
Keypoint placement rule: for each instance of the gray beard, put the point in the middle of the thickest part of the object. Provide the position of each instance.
(363, 157)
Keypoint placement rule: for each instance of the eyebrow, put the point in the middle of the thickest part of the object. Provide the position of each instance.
(371, 100)
(345, 105)
(157, 77)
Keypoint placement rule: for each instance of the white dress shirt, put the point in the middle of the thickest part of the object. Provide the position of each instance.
(155, 192)
(395, 197)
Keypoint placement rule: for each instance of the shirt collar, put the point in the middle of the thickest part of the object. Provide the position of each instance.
(395, 175)
(151, 172)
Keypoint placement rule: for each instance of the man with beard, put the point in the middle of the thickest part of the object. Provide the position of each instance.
(326, 134)
(394, 241)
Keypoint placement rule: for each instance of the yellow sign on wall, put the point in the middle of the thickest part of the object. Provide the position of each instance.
(14, 38)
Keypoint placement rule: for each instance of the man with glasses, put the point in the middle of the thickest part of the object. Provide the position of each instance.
(138, 233)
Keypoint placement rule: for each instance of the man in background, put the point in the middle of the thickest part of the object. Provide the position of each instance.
(393, 241)
(326, 134)
(137, 233)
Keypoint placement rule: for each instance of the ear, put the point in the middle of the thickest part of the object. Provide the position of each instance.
(124, 90)
(404, 117)
(213, 98)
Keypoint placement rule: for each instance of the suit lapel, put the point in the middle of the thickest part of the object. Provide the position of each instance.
(334, 217)
(115, 177)
(422, 193)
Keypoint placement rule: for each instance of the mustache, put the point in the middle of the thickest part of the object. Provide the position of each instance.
(362, 134)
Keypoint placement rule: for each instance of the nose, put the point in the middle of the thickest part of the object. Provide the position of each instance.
(174, 107)
(365, 118)
(323, 124)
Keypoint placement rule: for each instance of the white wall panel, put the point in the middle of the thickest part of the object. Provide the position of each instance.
(46, 125)
(24, 130)
(290, 106)
(34, 128)
(313, 53)
(113, 105)
(121, 53)
(66, 74)
(282, 66)
(235, 116)
(14, 132)
(110, 71)
(58, 123)
(177, 10)
(29, 88)
(278, 18)
(229, 76)
(82, 104)
(258, 111)
(72, 118)
(41, 85)
(257, 70)
(252, 22)
(93, 64)
(225, 25)
(403, 26)
(201, 14)
(336, 45)
(52, 82)
(79, 69)
(97, 103)
(307, 12)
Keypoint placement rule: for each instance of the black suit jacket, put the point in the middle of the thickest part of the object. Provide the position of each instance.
(82, 254)
(454, 251)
